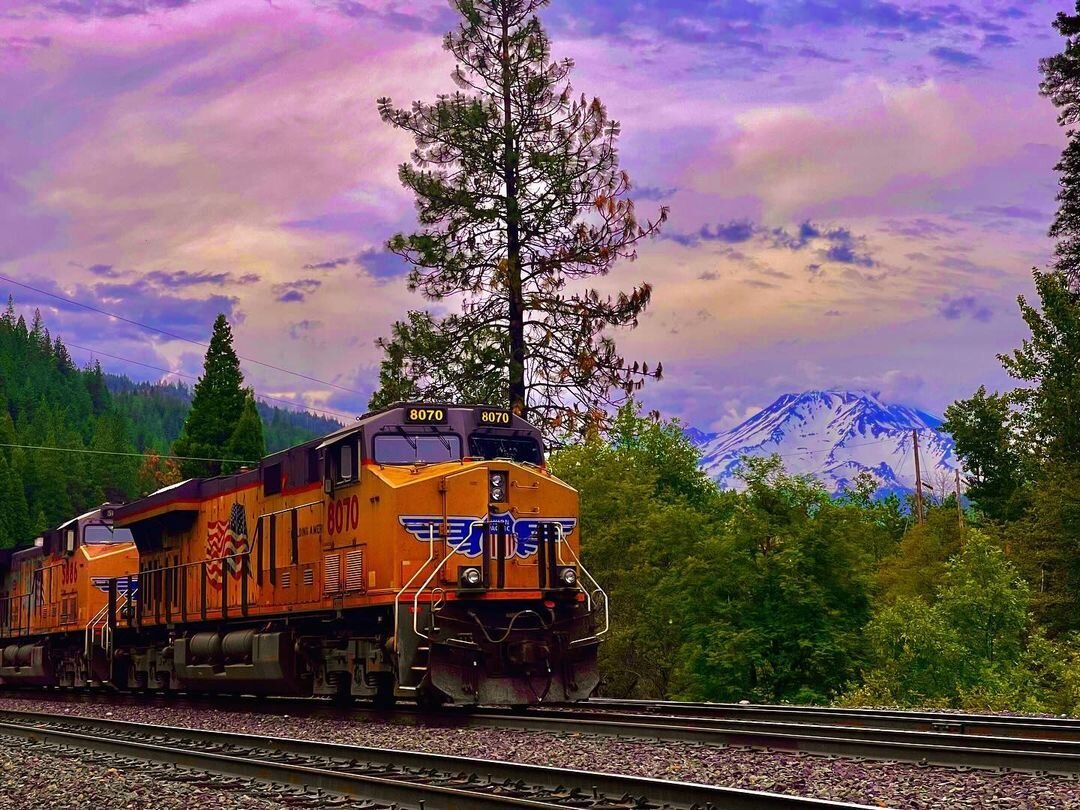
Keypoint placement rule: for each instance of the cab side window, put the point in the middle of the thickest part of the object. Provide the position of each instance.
(342, 462)
(346, 470)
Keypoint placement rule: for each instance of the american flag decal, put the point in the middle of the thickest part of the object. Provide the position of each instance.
(225, 539)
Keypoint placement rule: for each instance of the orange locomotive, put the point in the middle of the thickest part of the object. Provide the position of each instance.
(422, 552)
(53, 602)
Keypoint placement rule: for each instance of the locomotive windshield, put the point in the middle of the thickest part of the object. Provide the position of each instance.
(515, 448)
(99, 534)
(405, 448)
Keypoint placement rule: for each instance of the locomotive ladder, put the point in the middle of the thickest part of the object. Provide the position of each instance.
(99, 631)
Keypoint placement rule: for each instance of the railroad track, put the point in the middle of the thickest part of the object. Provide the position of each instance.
(972, 741)
(946, 748)
(1052, 728)
(391, 777)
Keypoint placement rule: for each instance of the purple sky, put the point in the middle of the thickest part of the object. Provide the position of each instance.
(859, 188)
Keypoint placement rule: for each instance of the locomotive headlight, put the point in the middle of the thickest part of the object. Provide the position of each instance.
(470, 577)
(497, 487)
(568, 577)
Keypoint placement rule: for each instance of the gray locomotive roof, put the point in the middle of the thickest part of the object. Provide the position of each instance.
(458, 417)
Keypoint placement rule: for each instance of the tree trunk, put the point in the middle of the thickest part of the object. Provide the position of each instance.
(515, 300)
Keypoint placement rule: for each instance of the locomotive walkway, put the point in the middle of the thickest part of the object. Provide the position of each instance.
(398, 778)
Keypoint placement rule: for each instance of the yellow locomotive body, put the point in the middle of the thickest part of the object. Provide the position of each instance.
(424, 551)
(53, 602)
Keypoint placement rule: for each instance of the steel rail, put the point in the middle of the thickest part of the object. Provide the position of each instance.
(107, 735)
(930, 748)
(1061, 728)
(949, 749)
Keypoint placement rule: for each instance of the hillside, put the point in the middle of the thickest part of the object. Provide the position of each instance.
(72, 438)
(156, 413)
(834, 436)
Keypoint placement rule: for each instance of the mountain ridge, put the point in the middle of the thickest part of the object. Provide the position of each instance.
(833, 435)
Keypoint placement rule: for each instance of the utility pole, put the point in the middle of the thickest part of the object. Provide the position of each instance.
(918, 479)
(959, 508)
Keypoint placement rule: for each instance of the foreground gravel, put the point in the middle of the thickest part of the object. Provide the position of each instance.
(882, 784)
(34, 776)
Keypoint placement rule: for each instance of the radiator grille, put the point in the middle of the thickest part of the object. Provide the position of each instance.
(332, 573)
(309, 576)
(354, 570)
(286, 579)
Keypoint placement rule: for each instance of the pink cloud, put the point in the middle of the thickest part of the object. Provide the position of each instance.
(870, 138)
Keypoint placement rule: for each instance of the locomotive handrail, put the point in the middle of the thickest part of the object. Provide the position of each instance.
(15, 628)
(91, 630)
(103, 620)
(291, 508)
(190, 564)
(397, 597)
(107, 630)
(438, 568)
(145, 576)
(607, 614)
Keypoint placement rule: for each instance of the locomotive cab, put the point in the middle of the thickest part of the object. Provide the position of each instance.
(55, 596)
(490, 605)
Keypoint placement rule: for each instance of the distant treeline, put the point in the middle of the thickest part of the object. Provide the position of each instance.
(46, 401)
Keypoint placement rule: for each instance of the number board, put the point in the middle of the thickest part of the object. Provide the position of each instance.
(488, 416)
(417, 415)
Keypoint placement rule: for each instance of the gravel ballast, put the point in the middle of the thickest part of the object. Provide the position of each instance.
(35, 776)
(884, 784)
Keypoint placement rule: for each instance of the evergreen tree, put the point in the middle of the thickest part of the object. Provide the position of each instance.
(246, 443)
(16, 510)
(423, 361)
(1045, 543)
(984, 432)
(114, 476)
(1061, 83)
(216, 406)
(521, 200)
(1049, 362)
(99, 391)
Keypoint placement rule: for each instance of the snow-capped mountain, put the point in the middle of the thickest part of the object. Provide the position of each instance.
(834, 436)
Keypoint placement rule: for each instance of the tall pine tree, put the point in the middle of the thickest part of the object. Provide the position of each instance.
(246, 442)
(216, 407)
(521, 201)
(1061, 84)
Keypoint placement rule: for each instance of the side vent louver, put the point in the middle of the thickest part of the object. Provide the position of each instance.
(332, 573)
(354, 570)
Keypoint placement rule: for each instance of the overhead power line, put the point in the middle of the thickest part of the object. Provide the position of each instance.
(288, 402)
(120, 453)
(173, 335)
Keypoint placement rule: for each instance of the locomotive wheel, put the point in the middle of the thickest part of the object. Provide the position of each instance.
(384, 696)
(343, 696)
(428, 698)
